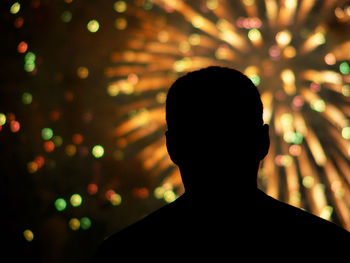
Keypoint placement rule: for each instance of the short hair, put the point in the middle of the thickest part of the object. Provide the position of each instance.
(213, 96)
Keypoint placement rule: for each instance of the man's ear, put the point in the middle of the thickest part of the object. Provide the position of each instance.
(172, 147)
(264, 142)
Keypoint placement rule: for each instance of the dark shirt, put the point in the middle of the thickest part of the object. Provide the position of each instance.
(191, 229)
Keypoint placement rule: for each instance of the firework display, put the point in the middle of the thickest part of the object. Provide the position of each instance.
(82, 113)
(304, 82)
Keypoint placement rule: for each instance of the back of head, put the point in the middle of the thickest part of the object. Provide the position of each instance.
(213, 95)
(214, 118)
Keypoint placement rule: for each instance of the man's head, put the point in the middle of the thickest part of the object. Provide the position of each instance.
(214, 119)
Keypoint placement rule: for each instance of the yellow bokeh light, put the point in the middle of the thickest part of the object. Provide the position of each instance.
(194, 39)
(163, 36)
(32, 167)
(82, 72)
(120, 23)
(120, 6)
(169, 196)
(254, 34)
(182, 65)
(159, 192)
(197, 22)
(2, 119)
(287, 160)
(294, 198)
(326, 212)
(126, 87)
(319, 38)
(251, 71)
(113, 90)
(345, 90)
(290, 3)
(222, 52)
(249, 2)
(289, 52)
(286, 119)
(346, 133)
(161, 97)
(76, 200)
(184, 46)
(28, 235)
(222, 24)
(115, 199)
(318, 105)
(93, 26)
(283, 38)
(288, 136)
(314, 40)
(97, 151)
(71, 149)
(287, 76)
(74, 224)
(212, 4)
(14, 9)
(308, 181)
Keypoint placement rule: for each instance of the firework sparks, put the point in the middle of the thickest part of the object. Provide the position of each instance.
(287, 51)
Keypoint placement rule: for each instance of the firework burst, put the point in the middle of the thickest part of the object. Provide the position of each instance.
(290, 52)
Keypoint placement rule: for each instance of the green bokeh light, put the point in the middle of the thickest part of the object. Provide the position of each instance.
(85, 223)
(344, 68)
(27, 98)
(60, 204)
(46, 134)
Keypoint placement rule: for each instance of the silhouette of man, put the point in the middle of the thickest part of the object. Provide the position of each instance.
(217, 138)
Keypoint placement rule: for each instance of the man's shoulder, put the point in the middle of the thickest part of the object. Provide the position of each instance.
(299, 220)
(136, 235)
(144, 229)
